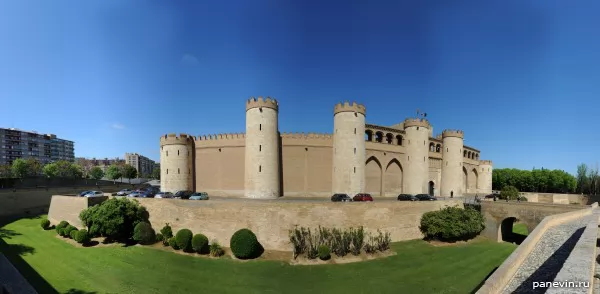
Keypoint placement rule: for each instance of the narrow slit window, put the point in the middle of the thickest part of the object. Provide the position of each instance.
(167, 171)
(260, 127)
(355, 131)
(260, 168)
(259, 148)
(409, 158)
(423, 158)
(178, 171)
(355, 169)
(354, 150)
(446, 163)
(167, 152)
(177, 152)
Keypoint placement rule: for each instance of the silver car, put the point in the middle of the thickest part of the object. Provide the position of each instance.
(134, 194)
(124, 192)
(94, 194)
(163, 195)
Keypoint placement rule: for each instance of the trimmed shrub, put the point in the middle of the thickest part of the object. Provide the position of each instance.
(67, 231)
(114, 218)
(200, 244)
(45, 223)
(82, 237)
(357, 237)
(173, 243)
(184, 239)
(452, 224)
(167, 233)
(244, 245)
(160, 238)
(324, 252)
(524, 199)
(60, 226)
(215, 249)
(72, 234)
(144, 233)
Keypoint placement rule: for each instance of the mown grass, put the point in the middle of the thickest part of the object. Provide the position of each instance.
(521, 229)
(52, 265)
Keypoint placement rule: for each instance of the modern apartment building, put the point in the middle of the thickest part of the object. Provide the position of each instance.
(142, 164)
(15, 143)
(101, 163)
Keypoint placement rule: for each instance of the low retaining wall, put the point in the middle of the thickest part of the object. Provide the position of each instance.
(555, 198)
(67, 208)
(16, 202)
(502, 276)
(11, 280)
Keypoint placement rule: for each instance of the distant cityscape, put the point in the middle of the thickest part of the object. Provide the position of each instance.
(48, 148)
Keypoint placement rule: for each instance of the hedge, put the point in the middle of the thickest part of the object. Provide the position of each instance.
(452, 224)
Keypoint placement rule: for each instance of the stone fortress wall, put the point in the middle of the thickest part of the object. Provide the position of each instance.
(356, 157)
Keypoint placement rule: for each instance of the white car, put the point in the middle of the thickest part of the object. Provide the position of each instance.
(163, 195)
(124, 192)
(94, 194)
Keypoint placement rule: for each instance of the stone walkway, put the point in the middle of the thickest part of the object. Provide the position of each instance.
(547, 258)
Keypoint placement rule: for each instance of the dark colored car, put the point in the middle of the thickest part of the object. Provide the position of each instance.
(362, 197)
(407, 197)
(341, 198)
(425, 197)
(490, 196)
(183, 194)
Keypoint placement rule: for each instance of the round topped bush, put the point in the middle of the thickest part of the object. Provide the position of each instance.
(60, 226)
(72, 234)
(245, 245)
(45, 223)
(184, 239)
(173, 243)
(66, 232)
(324, 252)
(200, 243)
(144, 233)
(82, 237)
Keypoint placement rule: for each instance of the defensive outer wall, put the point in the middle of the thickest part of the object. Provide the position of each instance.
(356, 157)
(271, 220)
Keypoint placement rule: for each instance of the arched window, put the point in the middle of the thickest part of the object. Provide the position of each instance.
(431, 147)
(389, 138)
(465, 153)
(379, 137)
(438, 148)
(368, 135)
(399, 140)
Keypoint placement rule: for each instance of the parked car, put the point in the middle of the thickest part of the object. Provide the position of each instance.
(94, 194)
(183, 194)
(134, 194)
(199, 196)
(362, 197)
(407, 197)
(341, 198)
(124, 192)
(425, 197)
(163, 195)
(147, 194)
(84, 193)
(490, 196)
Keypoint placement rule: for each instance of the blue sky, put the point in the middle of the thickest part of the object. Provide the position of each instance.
(521, 78)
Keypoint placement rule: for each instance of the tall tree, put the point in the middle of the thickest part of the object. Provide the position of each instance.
(86, 166)
(129, 172)
(113, 172)
(582, 178)
(96, 173)
(156, 174)
(35, 166)
(20, 168)
(594, 181)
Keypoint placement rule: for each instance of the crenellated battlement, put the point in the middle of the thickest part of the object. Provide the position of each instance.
(453, 133)
(228, 136)
(173, 139)
(485, 162)
(260, 102)
(347, 107)
(416, 122)
(306, 136)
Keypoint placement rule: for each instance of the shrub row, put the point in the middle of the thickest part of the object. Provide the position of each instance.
(452, 224)
(67, 230)
(321, 242)
(185, 240)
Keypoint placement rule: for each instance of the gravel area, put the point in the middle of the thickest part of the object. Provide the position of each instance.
(548, 257)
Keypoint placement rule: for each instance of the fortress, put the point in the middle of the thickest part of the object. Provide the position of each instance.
(357, 157)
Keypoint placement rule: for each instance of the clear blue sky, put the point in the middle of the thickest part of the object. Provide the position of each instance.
(521, 78)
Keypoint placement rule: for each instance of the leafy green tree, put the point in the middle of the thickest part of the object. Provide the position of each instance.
(594, 181)
(35, 166)
(5, 171)
(129, 172)
(452, 224)
(509, 192)
(156, 174)
(582, 178)
(20, 168)
(113, 172)
(114, 218)
(62, 169)
(96, 173)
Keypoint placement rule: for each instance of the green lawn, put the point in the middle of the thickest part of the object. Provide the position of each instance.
(50, 263)
(520, 228)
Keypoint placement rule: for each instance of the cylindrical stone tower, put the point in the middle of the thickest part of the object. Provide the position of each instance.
(262, 178)
(417, 155)
(176, 163)
(485, 177)
(349, 148)
(452, 158)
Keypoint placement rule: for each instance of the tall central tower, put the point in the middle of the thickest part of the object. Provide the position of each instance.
(262, 179)
(349, 148)
(417, 153)
(452, 174)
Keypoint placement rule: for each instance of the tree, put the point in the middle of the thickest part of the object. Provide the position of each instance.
(155, 174)
(96, 173)
(536, 180)
(5, 171)
(86, 166)
(129, 172)
(582, 178)
(113, 172)
(62, 169)
(20, 168)
(114, 218)
(594, 181)
(509, 192)
(35, 166)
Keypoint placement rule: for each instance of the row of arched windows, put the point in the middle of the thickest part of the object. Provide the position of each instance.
(380, 137)
(435, 147)
(471, 155)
